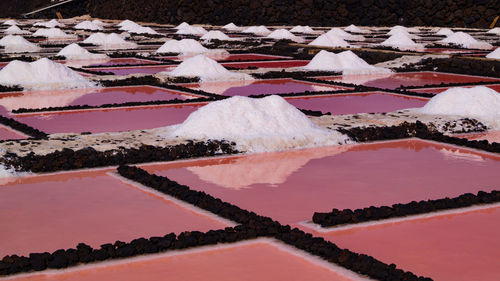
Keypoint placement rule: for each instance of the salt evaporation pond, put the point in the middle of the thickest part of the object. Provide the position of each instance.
(438, 90)
(10, 134)
(460, 247)
(108, 120)
(252, 260)
(290, 186)
(62, 210)
(261, 87)
(397, 80)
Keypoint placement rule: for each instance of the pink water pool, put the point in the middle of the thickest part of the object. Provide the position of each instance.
(396, 80)
(95, 97)
(121, 61)
(7, 133)
(46, 213)
(290, 186)
(438, 90)
(244, 261)
(267, 64)
(490, 136)
(460, 247)
(357, 103)
(259, 87)
(126, 70)
(108, 120)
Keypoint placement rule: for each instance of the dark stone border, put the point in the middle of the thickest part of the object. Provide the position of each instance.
(348, 216)
(15, 88)
(150, 80)
(458, 65)
(23, 128)
(443, 85)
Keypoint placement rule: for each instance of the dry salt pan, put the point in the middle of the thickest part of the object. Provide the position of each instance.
(75, 52)
(494, 55)
(302, 29)
(465, 40)
(257, 30)
(326, 40)
(444, 31)
(346, 62)
(49, 24)
(355, 29)
(344, 35)
(206, 69)
(42, 74)
(402, 41)
(231, 27)
(284, 34)
(255, 125)
(215, 35)
(53, 33)
(14, 29)
(88, 25)
(17, 44)
(478, 102)
(109, 41)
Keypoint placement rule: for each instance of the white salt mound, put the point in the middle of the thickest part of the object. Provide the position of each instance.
(231, 27)
(444, 31)
(478, 102)
(10, 22)
(207, 70)
(109, 41)
(284, 34)
(17, 44)
(355, 29)
(133, 27)
(344, 35)
(494, 55)
(403, 28)
(465, 40)
(49, 24)
(256, 125)
(257, 30)
(42, 74)
(326, 40)
(127, 23)
(99, 23)
(88, 25)
(495, 30)
(402, 41)
(182, 25)
(347, 62)
(53, 33)
(184, 46)
(215, 34)
(302, 29)
(75, 52)
(192, 30)
(14, 29)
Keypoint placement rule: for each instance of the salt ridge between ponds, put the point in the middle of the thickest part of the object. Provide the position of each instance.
(284, 34)
(326, 40)
(53, 33)
(109, 41)
(17, 44)
(88, 25)
(465, 40)
(75, 52)
(347, 62)
(494, 55)
(478, 102)
(42, 74)
(255, 125)
(206, 69)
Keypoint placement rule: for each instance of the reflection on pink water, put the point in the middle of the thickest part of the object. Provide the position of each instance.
(232, 57)
(252, 261)
(417, 79)
(46, 213)
(442, 89)
(460, 247)
(365, 175)
(126, 70)
(108, 120)
(9, 134)
(267, 64)
(260, 87)
(490, 136)
(357, 103)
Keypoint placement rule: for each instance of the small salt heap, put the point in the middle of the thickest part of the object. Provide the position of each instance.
(109, 41)
(75, 52)
(99, 23)
(10, 22)
(302, 29)
(465, 40)
(215, 35)
(17, 44)
(231, 27)
(355, 29)
(397, 28)
(478, 102)
(186, 29)
(257, 30)
(133, 27)
(400, 40)
(346, 62)
(14, 29)
(494, 55)
(53, 33)
(344, 35)
(284, 34)
(182, 25)
(326, 40)
(444, 31)
(49, 24)
(184, 46)
(255, 125)
(495, 30)
(42, 74)
(206, 69)
(88, 25)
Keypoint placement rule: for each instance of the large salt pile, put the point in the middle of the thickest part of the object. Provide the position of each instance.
(207, 70)
(10, 22)
(326, 40)
(231, 27)
(14, 29)
(53, 33)
(494, 55)
(49, 24)
(344, 35)
(444, 31)
(284, 34)
(75, 52)
(184, 46)
(355, 29)
(346, 62)
(402, 41)
(257, 30)
(88, 25)
(255, 125)
(109, 41)
(17, 44)
(215, 35)
(302, 29)
(465, 40)
(42, 74)
(478, 102)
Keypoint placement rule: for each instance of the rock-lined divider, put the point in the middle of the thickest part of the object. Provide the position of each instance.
(470, 66)
(347, 216)
(23, 128)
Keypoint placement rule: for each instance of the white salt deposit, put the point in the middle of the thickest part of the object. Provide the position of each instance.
(49, 24)
(17, 44)
(10, 22)
(495, 30)
(478, 102)
(231, 27)
(257, 30)
(444, 31)
(207, 70)
(302, 29)
(14, 29)
(133, 27)
(53, 33)
(402, 41)
(494, 55)
(256, 125)
(344, 35)
(182, 25)
(355, 29)
(465, 40)
(403, 28)
(88, 25)
(75, 52)
(99, 23)
(109, 41)
(42, 74)
(192, 30)
(184, 46)
(8, 172)
(127, 23)
(346, 62)
(326, 40)
(215, 34)
(284, 34)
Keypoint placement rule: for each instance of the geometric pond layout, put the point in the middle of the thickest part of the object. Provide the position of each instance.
(265, 156)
